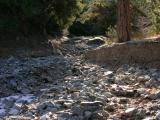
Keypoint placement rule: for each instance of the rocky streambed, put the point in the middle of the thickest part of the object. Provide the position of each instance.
(67, 87)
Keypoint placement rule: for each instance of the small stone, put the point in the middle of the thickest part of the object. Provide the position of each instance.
(141, 90)
(77, 110)
(143, 78)
(19, 118)
(124, 93)
(110, 107)
(25, 99)
(64, 116)
(132, 69)
(131, 111)
(46, 107)
(108, 94)
(13, 111)
(46, 116)
(2, 112)
(13, 83)
(154, 96)
(157, 95)
(95, 103)
(8, 103)
(99, 115)
(120, 70)
(147, 77)
(29, 113)
(123, 100)
(111, 80)
(158, 116)
(18, 105)
(67, 105)
(135, 113)
(108, 73)
(87, 114)
(141, 113)
(25, 91)
(148, 118)
(148, 84)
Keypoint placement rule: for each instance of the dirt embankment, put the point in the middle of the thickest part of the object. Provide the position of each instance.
(144, 52)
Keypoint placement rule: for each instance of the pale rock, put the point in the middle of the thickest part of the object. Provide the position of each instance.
(131, 111)
(108, 73)
(141, 90)
(45, 116)
(158, 116)
(67, 105)
(107, 94)
(94, 103)
(148, 118)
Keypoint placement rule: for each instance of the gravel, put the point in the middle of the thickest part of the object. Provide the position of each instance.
(67, 87)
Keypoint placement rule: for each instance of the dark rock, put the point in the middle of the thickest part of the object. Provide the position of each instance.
(64, 116)
(110, 107)
(87, 114)
(76, 71)
(155, 96)
(46, 107)
(95, 103)
(123, 101)
(99, 115)
(124, 93)
(77, 110)
(111, 80)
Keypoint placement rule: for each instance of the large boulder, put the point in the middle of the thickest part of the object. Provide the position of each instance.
(147, 52)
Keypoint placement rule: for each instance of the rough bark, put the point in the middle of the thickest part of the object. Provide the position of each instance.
(123, 23)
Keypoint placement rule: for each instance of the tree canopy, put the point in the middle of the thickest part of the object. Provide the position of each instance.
(81, 17)
(28, 15)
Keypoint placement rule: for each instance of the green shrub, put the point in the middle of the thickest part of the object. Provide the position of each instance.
(37, 16)
(99, 17)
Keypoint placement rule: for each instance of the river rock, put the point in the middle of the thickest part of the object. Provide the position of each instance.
(158, 116)
(47, 106)
(131, 111)
(135, 113)
(94, 103)
(96, 41)
(99, 115)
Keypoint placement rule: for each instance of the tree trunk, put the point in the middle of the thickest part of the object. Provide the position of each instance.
(123, 23)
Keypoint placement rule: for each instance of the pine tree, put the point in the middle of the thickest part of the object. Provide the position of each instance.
(123, 23)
